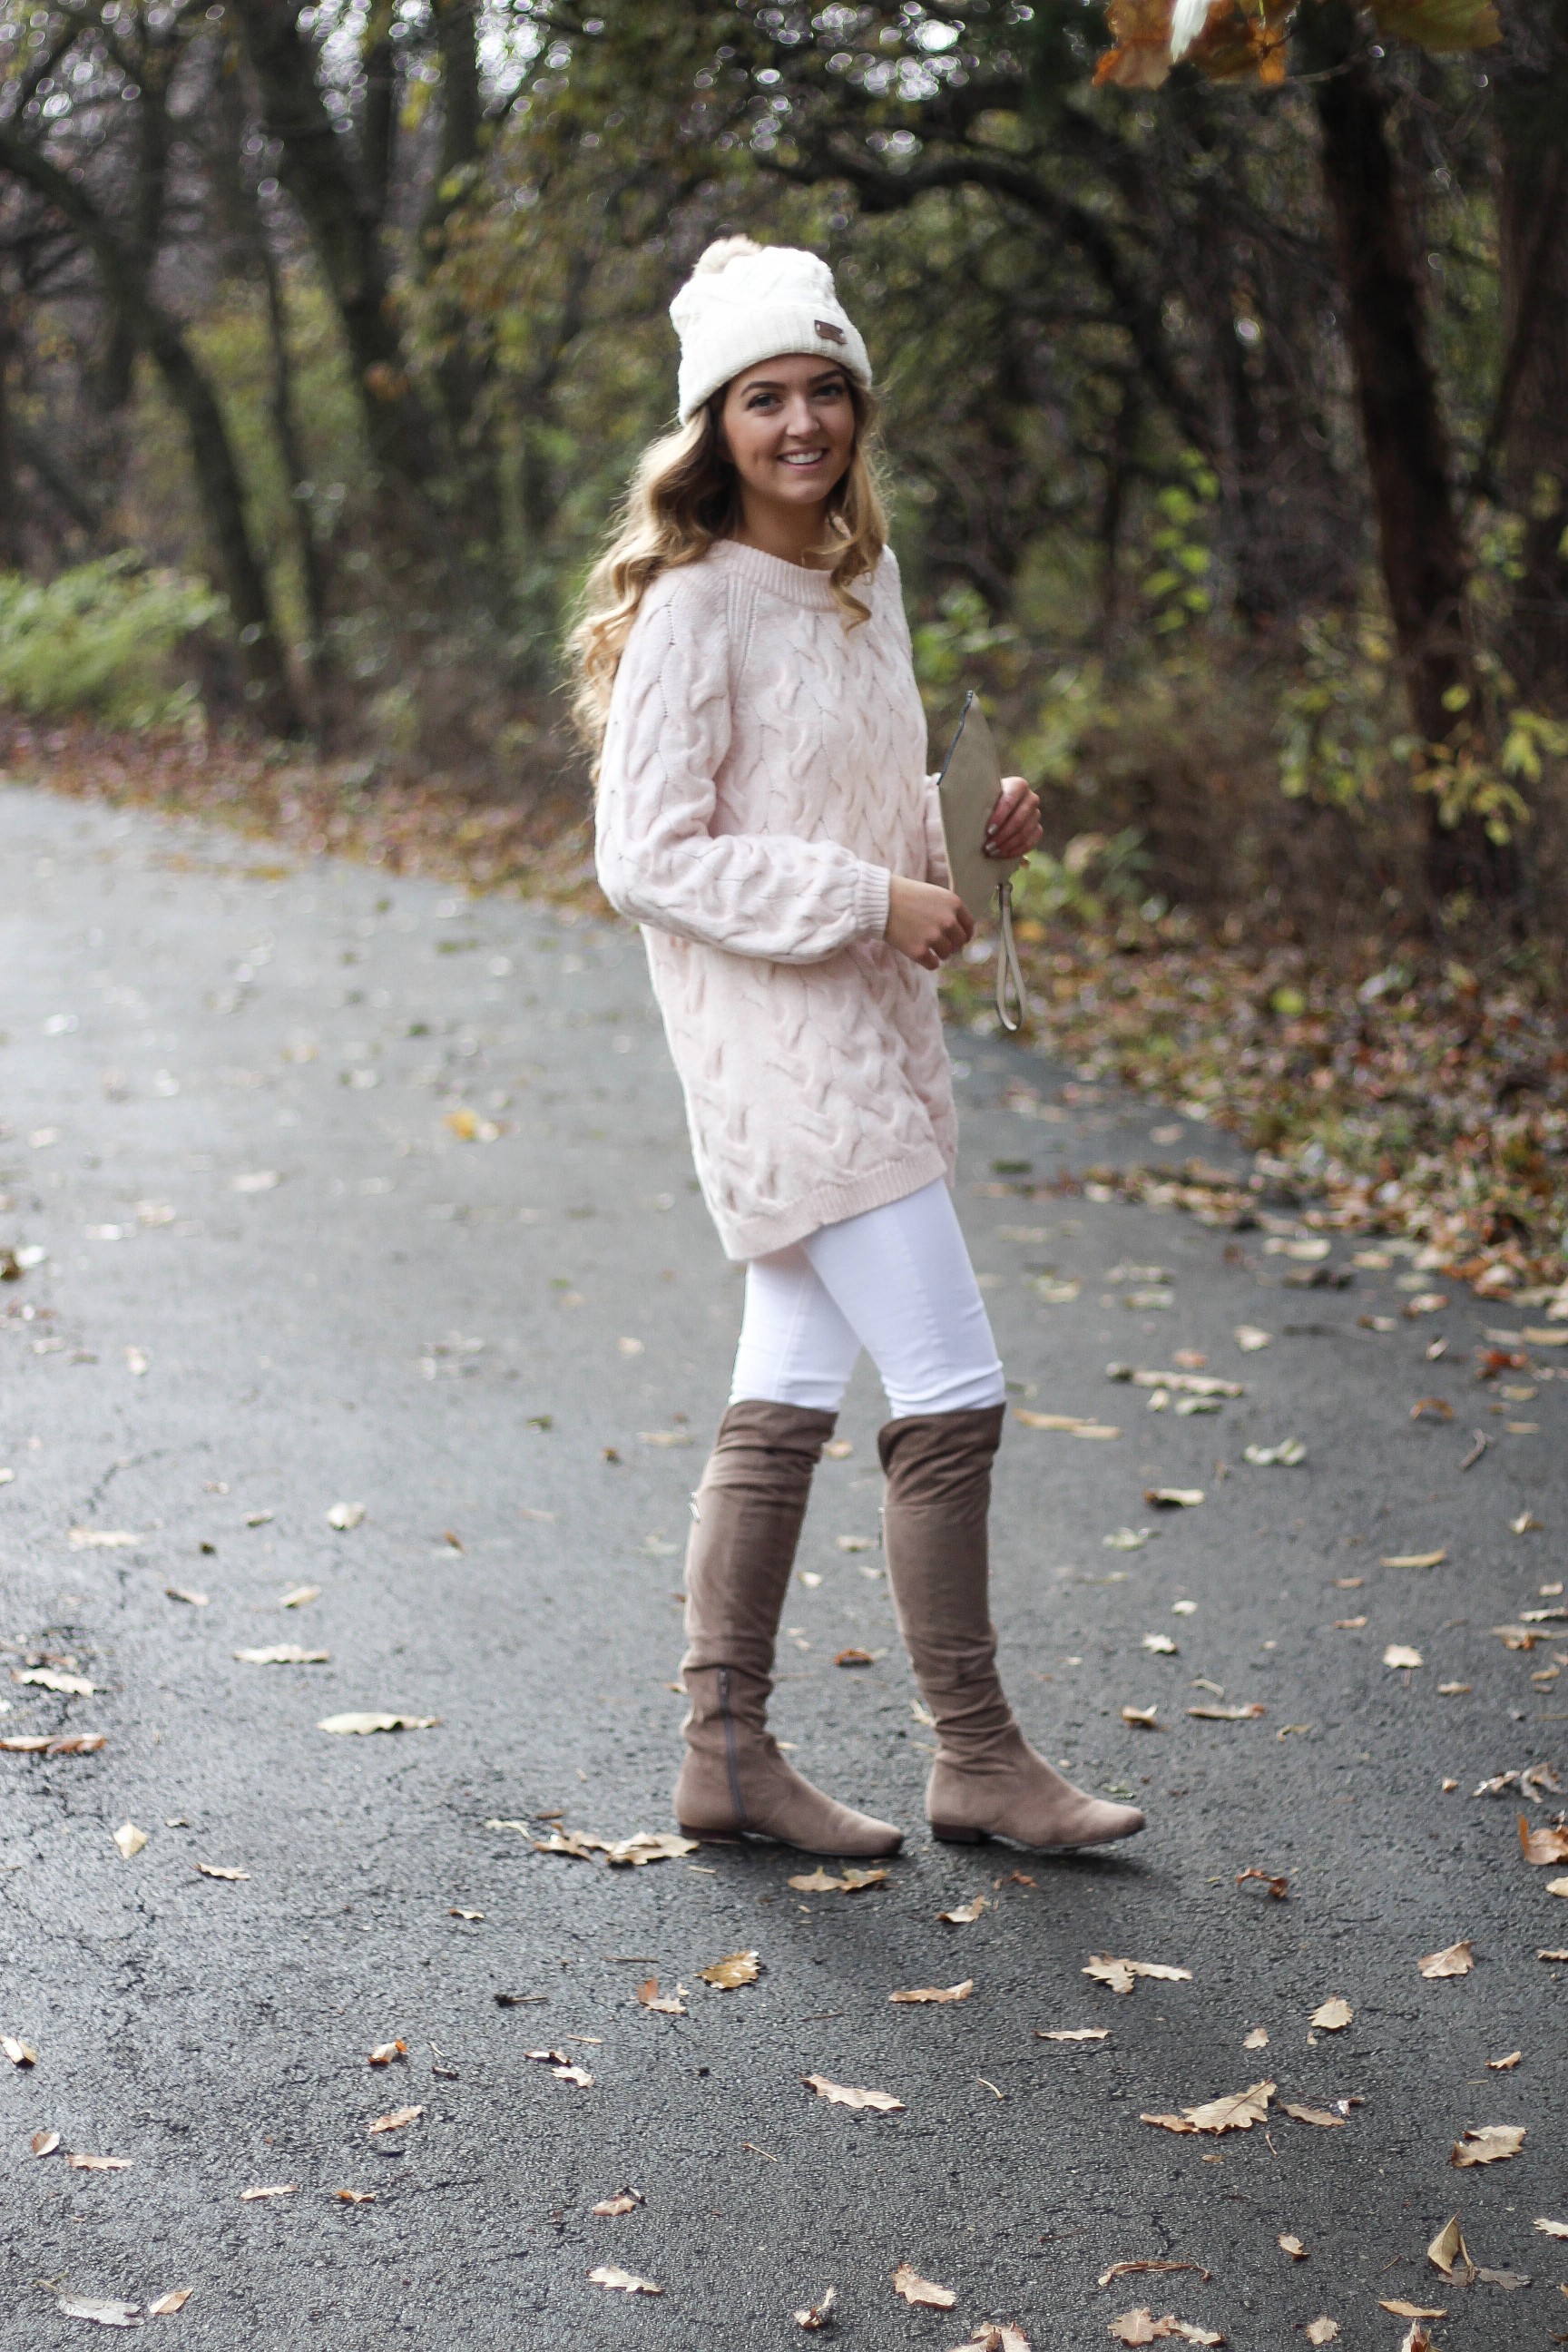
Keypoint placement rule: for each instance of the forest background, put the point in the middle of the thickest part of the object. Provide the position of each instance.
(1225, 403)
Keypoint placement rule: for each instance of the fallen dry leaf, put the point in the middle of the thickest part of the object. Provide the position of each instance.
(167, 2305)
(1257, 2038)
(643, 1847)
(299, 1594)
(1504, 2065)
(398, 2120)
(562, 2067)
(218, 1870)
(837, 2095)
(667, 1437)
(1547, 2229)
(1487, 2144)
(1073, 2034)
(937, 1993)
(365, 1723)
(1140, 2326)
(1149, 2263)
(385, 2053)
(1291, 2246)
(283, 1653)
(1448, 2252)
(1174, 1498)
(1069, 1424)
(1324, 2121)
(20, 2053)
(1321, 2331)
(626, 2280)
(1453, 1961)
(1287, 1455)
(669, 2004)
(1399, 1653)
(1237, 2111)
(853, 1882)
(130, 1839)
(923, 2293)
(474, 1918)
(106, 2315)
(962, 1915)
(1249, 1338)
(817, 2314)
(1403, 2310)
(990, 2335)
(183, 1593)
(1141, 1718)
(1120, 1975)
(854, 1658)
(1541, 1846)
(1416, 1559)
(354, 2196)
(99, 2163)
(50, 1678)
(1278, 1886)
(625, 2200)
(284, 2188)
(1333, 2015)
(344, 1515)
(1211, 1712)
(44, 2142)
(102, 1539)
(736, 1968)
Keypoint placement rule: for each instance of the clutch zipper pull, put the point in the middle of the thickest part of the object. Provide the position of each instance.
(1008, 966)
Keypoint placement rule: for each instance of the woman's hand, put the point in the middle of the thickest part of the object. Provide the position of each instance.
(926, 923)
(1014, 826)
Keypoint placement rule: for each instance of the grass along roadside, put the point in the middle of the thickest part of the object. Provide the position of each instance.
(1400, 1092)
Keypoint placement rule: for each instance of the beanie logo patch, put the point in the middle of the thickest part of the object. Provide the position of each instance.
(828, 331)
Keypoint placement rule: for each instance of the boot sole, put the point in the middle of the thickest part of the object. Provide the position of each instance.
(762, 1837)
(949, 1834)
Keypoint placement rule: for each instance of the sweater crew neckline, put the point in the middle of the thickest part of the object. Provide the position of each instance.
(793, 582)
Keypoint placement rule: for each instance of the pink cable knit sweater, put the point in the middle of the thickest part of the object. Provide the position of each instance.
(763, 778)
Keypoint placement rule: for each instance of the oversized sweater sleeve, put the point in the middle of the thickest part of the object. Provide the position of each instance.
(772, 895)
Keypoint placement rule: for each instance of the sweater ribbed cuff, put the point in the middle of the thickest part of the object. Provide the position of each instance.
(873, 893)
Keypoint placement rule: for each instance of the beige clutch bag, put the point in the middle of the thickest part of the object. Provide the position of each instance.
(967, 788)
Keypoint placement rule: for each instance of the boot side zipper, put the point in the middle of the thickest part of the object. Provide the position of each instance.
(729, 1755)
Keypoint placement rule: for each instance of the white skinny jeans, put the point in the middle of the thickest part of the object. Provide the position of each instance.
(896, 1281)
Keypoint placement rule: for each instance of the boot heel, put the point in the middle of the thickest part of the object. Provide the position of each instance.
(951, 1834)
(711, 1837)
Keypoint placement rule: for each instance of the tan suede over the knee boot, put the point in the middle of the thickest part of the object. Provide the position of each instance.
(987, 1781)
(748, 1514)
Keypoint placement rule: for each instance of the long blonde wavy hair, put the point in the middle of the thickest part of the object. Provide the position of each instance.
(685, 495)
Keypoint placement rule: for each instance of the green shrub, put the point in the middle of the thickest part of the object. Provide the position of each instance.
(103, 639)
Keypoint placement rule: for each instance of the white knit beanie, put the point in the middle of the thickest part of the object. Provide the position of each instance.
(746, 302)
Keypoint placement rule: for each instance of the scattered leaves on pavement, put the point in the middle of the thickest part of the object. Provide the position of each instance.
(167, 2305)
(44, 2142)
(1504, 2065)
(1121, 1975)
(1332, 2016)
(1416, 1558)
(20, 2053)
(1174, 1498)
(80, 2163)
(626, 2280)
(1453, 1961)
(625, 2200)
(921, 2292)
(736, 1968)
(1448, 2253)
(366, 1723)
(220, 1870)
(1321, 2331)
(562, 2067)
(818, 2316)
(1147, 2263)
(1140, 2326)
(397, 2120)
(852, 1881)
(105, 2313)
(1213, 1711)
(1399, 1653)
(1141, 1718)
(669, 2004)
(964, 1915)
(1287, 1455)
(129, 1840)
(386, 2053)
(1068, 1424)
(839, 2094)
(1546, 1844)
(1072, 2033)
(282, 2188)
(50, 1678)
(1317, 2115)
(299, 1594)
(992, 2336)
(1257, 2038)
(1291, 2246)
(1487, 2144)
(1403, 2310)
(103, 1539)
(1237, 2111)
(344, 1515)
(937, 1992)
(283, 1653)
(1277, 1884)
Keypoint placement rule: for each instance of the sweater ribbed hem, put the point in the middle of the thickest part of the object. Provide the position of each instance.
(873, 897)
(794, 581)
(830, 1205)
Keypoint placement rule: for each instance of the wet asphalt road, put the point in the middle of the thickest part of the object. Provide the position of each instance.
(276, 1278)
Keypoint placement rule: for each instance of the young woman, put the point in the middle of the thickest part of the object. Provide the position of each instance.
(764, 814)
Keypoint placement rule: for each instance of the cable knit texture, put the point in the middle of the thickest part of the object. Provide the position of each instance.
(763, 778)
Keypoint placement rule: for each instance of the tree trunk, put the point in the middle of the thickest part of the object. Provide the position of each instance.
(465, 373)
(1425, 569)
(11, 551)
(1531, 428)
(318, 170)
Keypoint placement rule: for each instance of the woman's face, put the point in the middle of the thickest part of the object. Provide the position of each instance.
(789, 425)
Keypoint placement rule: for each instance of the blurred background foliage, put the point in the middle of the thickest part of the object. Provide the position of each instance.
(1226, 406)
